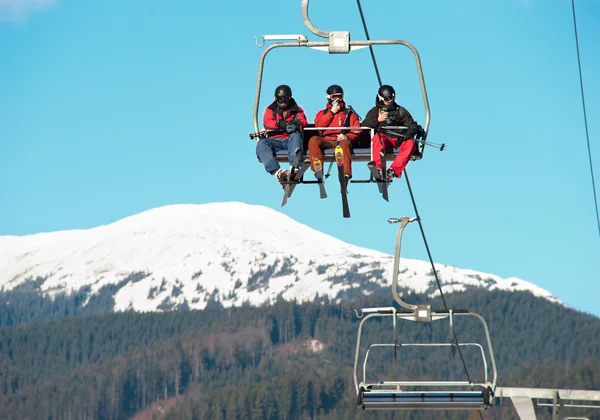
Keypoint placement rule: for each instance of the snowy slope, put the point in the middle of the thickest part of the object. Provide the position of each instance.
(227, 252)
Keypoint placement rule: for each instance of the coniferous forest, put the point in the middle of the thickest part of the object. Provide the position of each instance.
(63, 359)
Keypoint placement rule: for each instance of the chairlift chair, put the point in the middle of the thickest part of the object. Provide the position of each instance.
(429, 395)
(339, 43)
(403, 394)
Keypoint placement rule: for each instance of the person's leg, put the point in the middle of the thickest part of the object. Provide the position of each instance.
(403, 156)
(328, 144)
(293, 142)
(265, 150)
(346, 146)
(314, 150)
(376, 146)
(378, 142)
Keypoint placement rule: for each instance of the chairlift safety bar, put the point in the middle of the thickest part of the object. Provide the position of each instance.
(428, 383)
(409, 316)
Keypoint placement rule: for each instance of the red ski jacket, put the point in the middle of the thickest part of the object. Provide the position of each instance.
(274, 114)
(325, 118)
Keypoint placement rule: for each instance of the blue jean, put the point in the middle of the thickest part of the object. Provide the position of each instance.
(266, 149)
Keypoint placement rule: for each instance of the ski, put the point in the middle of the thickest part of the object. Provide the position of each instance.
(383, 170)
(339, 159)
(296, 178)
(320, 178)
(375, 175)
(287, 184)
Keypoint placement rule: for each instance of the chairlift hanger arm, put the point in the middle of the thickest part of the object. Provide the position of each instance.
(403, 222)
(309, 24)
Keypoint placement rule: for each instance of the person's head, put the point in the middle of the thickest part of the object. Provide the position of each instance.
(386, 96)
(283, 95)
(334, 94)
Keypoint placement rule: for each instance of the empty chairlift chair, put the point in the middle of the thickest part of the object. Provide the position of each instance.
(406, 394)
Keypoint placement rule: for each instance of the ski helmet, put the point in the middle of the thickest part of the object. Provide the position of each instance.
(385, 93)
(283, 94)
(334, 91)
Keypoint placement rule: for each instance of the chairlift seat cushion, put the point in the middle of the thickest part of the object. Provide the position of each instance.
(426, 400)
(393, 399)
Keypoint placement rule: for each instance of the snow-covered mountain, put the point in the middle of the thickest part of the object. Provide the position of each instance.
(226, 252)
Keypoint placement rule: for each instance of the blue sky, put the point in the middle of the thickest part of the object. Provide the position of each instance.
(110, 108)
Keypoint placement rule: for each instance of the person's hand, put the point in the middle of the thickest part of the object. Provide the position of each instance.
(292, 127)
(342, 137)
(281, 124)
(382, 116)
(335, 108)
(409, 133)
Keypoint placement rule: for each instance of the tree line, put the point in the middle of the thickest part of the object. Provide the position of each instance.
(261, 362)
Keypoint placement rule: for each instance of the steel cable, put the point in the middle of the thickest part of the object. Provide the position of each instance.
(585, 122)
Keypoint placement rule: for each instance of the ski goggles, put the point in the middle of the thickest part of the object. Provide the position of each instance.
(388, 99)
(283, 99)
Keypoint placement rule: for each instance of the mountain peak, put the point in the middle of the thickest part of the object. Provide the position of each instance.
(230, 253)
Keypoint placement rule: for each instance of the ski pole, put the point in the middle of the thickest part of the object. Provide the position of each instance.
(429, 143)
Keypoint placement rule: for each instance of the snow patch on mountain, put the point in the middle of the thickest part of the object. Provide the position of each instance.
(231, 253)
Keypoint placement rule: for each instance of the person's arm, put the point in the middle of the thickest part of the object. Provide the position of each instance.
(354, 122)
(302, 117)
(270, 121)
(406, 120)
(371, 118)
(323, 118)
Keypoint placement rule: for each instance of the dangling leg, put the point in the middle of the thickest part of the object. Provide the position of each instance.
(401, 160)
(314, 150)
(376, 146)
(265, 150)
(346, 146)
(292, 143)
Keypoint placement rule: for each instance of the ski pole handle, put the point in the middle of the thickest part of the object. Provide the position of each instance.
(260, 134)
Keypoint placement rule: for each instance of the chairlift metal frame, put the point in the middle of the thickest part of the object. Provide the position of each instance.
(339, 43)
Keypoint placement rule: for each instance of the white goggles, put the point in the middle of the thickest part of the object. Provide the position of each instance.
(381, 98)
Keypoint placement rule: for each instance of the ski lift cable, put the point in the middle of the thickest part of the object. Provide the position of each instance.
(362, 17)
(415, 204)
(585, 122)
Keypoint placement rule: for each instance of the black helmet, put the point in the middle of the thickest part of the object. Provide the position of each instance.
(385, 93)
(283, 90)
(283, 94)
(334, 91)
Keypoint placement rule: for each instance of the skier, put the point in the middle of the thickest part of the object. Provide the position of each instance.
(284, 119)
(336, 114)
(387, 112)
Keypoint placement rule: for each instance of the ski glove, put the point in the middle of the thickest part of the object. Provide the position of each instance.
(281, 124)
(410, 133)
(292, 127)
